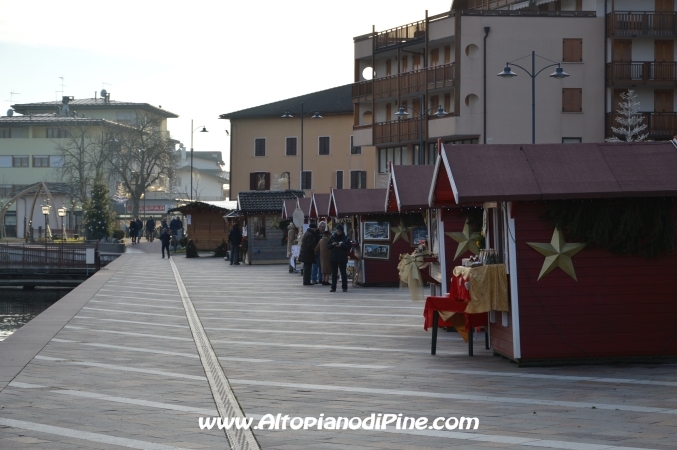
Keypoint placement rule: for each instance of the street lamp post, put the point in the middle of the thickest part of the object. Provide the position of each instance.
(62, 213)
(45, 212)
(421, 115)
(288, 115)
(559, 74)
(192, 130)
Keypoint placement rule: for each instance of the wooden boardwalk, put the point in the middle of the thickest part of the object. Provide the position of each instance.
(134, 356)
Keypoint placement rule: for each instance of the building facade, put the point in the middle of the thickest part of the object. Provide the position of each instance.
(271, 152)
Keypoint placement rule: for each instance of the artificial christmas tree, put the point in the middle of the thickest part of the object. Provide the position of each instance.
(99, 215)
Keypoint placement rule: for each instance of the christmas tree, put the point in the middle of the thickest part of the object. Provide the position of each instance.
(99, 216)
(630, 120)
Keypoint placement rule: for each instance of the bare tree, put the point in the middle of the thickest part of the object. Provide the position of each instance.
(629, 119)
(142, 156)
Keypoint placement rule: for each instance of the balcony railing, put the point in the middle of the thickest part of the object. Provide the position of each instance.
(397, 131)
(660, 125)
(645, 23)
(402, 35)
(408, 83)
(641, 73)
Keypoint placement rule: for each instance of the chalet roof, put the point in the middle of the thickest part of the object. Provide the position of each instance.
(288, 208)
(337, 100)
(264, 202)
(215, 206)
(304, 204)
(348, 202)
(320, 206)
(92, 103)
(408, 188)
(561, 171)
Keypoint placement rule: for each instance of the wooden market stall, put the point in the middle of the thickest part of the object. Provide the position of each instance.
(320, 206)
(204, 223)
(266, 242)
(587, 236)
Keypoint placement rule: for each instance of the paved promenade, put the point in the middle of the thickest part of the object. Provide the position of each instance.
(131, 358)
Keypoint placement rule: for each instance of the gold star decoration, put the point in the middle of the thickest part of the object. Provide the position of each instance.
(557, 254)
(467, 241)
(276, 222)
(400, 232)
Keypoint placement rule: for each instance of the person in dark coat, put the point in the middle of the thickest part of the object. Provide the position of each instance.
(132, 230)
(235, 239)
(339, 246)
(150, 229)
(139, 229)
(307, 253)
(165, 237)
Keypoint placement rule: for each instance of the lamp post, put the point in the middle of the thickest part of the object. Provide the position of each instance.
(559, 73)
(288, 115)
(192, 130)
(421, 115)
(62, 213)
(45, 212)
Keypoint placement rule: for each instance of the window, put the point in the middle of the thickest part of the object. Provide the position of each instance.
(571, 140)
(19, 161)
(6, 161)
(16, 133)
(405, 63)
(434, 103)
(40, 161)
(572, 100)
(398, 156)
(358, 179)
(290, 146)
(434, 56)
(259, 181)
(57, 133)
(354, 150)
(260, 147)
(339, 179)
(432, 153)
(447, 54)
(6, 190)
(389, 67)
(417, 62)
(573, 50)
(56, 161)
(306, 180)
(258, 227)
(447, 102)
(5, 133)
(124, 117)
(323, 148)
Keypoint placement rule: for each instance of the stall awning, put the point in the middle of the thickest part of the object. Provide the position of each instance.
(320, 205)
(349, 202)
(561, 171)
(408, 188)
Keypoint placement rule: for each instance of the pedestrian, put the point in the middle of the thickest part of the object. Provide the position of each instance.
(132, 230)
(150, 229)
(316, 275)
(339, 245)
(307, 253)
(235, 239)
(163, 224)
(165, 238)
(139, 230)
(323, 252)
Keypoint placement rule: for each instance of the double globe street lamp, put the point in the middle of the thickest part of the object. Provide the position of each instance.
(315, 115)
(192, 130)
(62, 213)
(421, 115)
(558, 74)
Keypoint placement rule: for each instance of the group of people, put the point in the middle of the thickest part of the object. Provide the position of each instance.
(323, 253)
(136, 229)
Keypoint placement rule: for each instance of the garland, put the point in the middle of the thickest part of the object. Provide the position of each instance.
(628, 226)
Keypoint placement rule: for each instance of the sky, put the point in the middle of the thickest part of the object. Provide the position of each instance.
(197, 59)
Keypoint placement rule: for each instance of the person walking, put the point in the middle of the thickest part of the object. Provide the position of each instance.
(235, 239)
(323, 252)
(139, 229)
(150, 229)
(316, 275)
(163, 224)
(307, 253)
(132, 230)
(339, 245)
(165, 237)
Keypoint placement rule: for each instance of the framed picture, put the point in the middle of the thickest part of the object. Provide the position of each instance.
(418, 234)
(376, 251)
(376, 231)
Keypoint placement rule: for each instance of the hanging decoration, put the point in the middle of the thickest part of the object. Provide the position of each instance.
(557, 253)
(467, 240)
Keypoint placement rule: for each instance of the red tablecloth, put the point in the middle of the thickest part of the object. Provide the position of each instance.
(447, 303)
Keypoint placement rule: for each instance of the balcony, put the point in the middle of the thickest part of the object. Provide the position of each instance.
(648, 23)
(641, 73)
(400, 36)
(660, 125)
(397, 131)
(413, 82)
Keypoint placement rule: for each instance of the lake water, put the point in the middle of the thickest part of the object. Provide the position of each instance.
(19, 306)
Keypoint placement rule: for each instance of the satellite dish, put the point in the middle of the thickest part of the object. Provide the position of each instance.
(298, 218)
(10, 112)
(104, 92)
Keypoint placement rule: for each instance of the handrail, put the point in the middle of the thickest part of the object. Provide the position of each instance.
(644, 23)
(659, 125)
(409, 82)
(642, 72)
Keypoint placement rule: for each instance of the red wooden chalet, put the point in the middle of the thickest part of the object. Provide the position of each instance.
(319, 206)
(593, 305)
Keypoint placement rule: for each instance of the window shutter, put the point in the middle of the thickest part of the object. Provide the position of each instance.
(252, 181)
(363, 179)
(578, 103)
(572, 100)
(572, 50)
(267, 178)
(578, 50)
(339, 179)
(353, 179)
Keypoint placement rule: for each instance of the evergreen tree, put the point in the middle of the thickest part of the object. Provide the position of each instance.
(99, 216)
(630, 120)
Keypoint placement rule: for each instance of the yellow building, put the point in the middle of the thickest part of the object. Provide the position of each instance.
(270, 152)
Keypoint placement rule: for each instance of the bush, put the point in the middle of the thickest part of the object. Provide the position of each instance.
(118, 234)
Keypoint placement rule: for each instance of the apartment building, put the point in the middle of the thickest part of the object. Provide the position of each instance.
(29, 138)
(210, 180)
(450, 61)
(272, 152)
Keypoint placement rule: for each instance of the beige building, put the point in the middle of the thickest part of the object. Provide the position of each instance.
(451, 60)
(271, 152)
